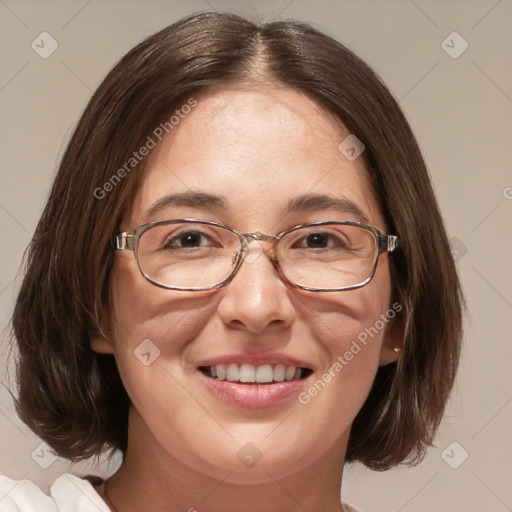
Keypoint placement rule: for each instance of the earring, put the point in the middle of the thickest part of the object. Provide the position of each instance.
(397, 350)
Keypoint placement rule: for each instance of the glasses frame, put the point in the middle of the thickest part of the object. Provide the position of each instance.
(130, 241)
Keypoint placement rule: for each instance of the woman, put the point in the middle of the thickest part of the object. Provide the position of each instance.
(241, 280)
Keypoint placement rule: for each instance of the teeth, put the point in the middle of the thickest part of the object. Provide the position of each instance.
(247, 373)
(233, 372)
(262, 374)
(220, 371)
(280, 372)
(290, 372)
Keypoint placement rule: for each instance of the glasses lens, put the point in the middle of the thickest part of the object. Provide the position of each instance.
(187, 254)
(329, 256)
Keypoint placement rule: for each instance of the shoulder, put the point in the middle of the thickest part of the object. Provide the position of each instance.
(68, 493)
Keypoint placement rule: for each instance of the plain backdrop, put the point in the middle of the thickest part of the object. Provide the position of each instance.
(459, 103)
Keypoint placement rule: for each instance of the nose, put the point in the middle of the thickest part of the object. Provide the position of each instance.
(256, 299)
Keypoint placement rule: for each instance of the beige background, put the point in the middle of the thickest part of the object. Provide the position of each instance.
(461, 112)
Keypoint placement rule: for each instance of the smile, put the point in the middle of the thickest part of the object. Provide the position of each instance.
(251, 374)
(253, 386)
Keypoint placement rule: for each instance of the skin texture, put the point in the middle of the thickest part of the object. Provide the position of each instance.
(257, 148)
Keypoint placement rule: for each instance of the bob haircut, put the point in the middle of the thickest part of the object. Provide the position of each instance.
(72, 397)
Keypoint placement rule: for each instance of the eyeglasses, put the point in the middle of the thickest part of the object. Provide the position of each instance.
(194, 255)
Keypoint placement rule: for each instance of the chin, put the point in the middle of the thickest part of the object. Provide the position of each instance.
(242, 462)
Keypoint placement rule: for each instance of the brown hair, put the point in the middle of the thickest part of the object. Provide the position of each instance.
(72, 397)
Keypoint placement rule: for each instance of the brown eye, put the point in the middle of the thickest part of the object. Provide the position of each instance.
(320, 240)
(187, 240)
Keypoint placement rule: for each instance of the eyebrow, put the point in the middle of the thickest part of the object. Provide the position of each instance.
(194, 199)
(312, 202)
(303, 203)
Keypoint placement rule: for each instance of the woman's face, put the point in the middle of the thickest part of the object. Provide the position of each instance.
(256, 150)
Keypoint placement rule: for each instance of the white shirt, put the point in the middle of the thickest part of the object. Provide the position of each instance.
(67, 494)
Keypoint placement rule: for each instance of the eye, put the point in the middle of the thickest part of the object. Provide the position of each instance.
(321, 240)
(190, 240)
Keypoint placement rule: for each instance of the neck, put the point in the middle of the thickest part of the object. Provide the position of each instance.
(153, 480)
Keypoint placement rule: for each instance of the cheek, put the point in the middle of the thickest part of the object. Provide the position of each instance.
(350, 328)
(150, 320)
(152, 331)
(358, 316)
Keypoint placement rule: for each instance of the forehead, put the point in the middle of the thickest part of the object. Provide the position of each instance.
(258, 149)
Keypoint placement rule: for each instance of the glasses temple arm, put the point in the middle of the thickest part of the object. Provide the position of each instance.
(387, 243)
(123, 241)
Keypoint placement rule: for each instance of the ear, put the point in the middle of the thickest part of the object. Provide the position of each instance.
(100, 344)
(98, 341)
(392, 344)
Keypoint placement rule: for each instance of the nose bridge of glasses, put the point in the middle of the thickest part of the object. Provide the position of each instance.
(258, 236)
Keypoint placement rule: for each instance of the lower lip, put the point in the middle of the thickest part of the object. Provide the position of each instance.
(253, 396)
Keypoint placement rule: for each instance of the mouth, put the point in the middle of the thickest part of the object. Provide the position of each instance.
(254, 386)
(251, 374)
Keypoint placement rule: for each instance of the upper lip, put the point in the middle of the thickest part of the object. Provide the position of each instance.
(256, 359)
